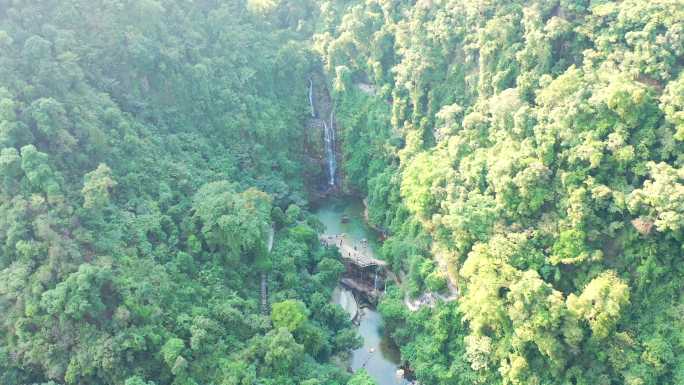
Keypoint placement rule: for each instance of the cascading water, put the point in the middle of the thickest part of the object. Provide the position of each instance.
(330, 148)
(375, 281)
(328, 136)
(313, 111)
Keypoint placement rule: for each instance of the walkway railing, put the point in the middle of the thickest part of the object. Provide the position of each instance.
(360, 255)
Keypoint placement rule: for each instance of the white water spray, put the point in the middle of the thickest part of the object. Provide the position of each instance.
(328, 135)
(375, 281)
(313, 111)
(330, 149)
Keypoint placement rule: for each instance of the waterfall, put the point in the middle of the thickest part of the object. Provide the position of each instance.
(328, 133)
(375, 281)
(329, 136)
(332, 161)
(313, 111)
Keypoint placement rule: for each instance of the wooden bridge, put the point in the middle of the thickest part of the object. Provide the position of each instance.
(360, 255)
(364, 272)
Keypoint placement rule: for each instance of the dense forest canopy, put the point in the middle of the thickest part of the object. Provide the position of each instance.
(527, 155)
(147, 149)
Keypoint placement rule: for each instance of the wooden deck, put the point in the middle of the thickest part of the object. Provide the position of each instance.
(360, 255)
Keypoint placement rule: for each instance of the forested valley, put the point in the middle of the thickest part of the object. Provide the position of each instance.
(158, 165)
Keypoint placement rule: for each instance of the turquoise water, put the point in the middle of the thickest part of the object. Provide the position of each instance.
(377, 355)
(331, 212)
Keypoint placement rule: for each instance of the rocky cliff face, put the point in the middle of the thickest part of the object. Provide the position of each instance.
(323, 121)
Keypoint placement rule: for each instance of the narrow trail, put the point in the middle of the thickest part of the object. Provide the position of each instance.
(430, 299)
(264, 277)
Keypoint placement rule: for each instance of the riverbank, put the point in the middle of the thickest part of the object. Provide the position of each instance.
(378, 355)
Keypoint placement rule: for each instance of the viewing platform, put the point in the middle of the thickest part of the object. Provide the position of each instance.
(359, 255)
(364, 273)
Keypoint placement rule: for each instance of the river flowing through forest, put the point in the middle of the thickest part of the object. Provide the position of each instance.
(378, 355)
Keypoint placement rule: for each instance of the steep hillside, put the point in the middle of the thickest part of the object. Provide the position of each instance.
(146, 148)
(529, 152)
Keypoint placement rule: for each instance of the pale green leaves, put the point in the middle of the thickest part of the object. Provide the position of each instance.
(262, 7)
(235, 222)
(79, 295)
(282, 351)
(289, 314)
(672, 104)
(661, 199)
(97, 187)
(171, 350)
(601, 303)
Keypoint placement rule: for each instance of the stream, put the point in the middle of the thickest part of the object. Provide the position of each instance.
(378, 355)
